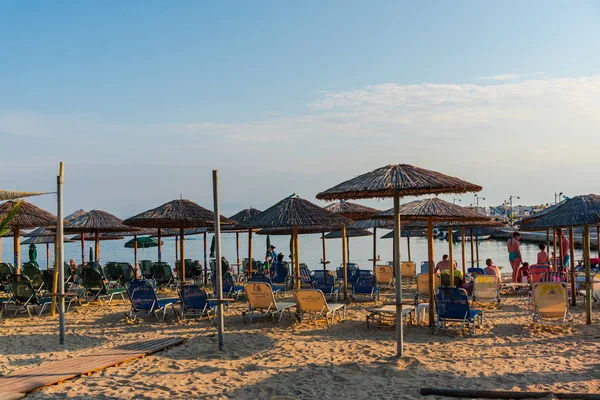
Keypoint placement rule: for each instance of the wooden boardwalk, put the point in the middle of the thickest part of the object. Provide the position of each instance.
(16, 385)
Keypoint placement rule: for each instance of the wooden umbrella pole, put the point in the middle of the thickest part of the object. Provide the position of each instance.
(572, 248)
(374, 248)
(398, 275)
(472, 253)
(451, 255)
(554, 249)
(205, 261)
(324, 262)
(97, 246)
(430, 257)
(54, 277)
(344, 262)
(135, 256)
(588, 286)
(348, 249)
(16, 248)
(237, 251)
(182, 257)
(176, 248)
(597, 240)
(547, 240)
(296, 256)
(250, 250)
(60, 254)
(408, 248)
(219, 280)
(560, 251)
(464, 256)
(83, 249)
(477, 249)
(48, 256)
(159, 246)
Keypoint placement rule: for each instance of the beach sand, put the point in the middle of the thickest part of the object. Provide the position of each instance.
(308, 361)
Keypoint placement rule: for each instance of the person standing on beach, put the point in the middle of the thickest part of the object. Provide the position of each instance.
(542, 256)
(564, 248)
(514, 254)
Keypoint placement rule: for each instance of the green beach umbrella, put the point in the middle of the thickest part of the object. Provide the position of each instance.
(212, 248)
(143, 242)
(91, 254)
(292, 248)
(32, 253)
(269, 252)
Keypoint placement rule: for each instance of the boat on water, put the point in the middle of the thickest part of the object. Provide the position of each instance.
(443, 235)
(468, 238)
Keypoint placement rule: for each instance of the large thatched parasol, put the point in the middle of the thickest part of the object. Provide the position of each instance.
(397, 181)
(576, 211)
(27, 216)
(181, 214)
(95, 222)
(351, 210)
(292, 214)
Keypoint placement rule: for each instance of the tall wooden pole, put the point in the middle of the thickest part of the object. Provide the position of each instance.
(472, 250)
(430, 257)
(477, 249)
(16, 248)
(205, 261)
(55, 276)
(554, 249)
(344, 262)
(408, 247)
(237, 252)
(560, 251)
(464, 256)
(48, 256)
(220, 317)
(588, 286)
(451, 255)
(250, 266)
(597, 240)
(547, 240)
(83, 249)
(182, 252)
(60, 256)
(176, 248)
(296, 256)
(347, 249)
(97, 247)
(572, 248)
(159, 245)
(374, 248)
(135, 256)
(398, 275)
(324, 262)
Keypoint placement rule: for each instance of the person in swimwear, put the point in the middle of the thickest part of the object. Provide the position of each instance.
(564, 248)
(543, 257)
(514, 254)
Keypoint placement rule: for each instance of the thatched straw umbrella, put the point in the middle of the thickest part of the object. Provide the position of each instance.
(180, 214)
(349, 234)
(43, 236)
(397, 181)
(95, 222)
(294, 215)
(28, 216)
(576, 211)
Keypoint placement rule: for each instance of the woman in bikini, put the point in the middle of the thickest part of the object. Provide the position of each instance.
(514, 254)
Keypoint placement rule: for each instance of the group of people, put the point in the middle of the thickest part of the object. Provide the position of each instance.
(520, 269)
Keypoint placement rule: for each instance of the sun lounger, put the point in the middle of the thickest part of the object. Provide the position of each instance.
(261, 300)
(34, 273)
(230, 289)
(163, 274)
(146, 269)
(313, 306)
(424, 267)
(113, 272)
(24, 297)
(452, 305)
(487, 288)
(408, 270)
(551, 303)
(537, 271)
(385, 316)
(423, 287)
(351, 275)
(475, 272)
(6, 270)
(145, 302)
(325, 282)
(95, 285)
(195, 302)
(305, 280)
(365, 286)
(384, 276)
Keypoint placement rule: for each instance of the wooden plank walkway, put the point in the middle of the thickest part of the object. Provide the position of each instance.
(16, 385)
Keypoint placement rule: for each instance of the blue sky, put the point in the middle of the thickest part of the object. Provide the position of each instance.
(143, 99)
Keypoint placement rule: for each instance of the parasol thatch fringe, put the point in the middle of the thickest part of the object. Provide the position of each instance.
(350, 210)
(575, 211)
(28, 216)
(96, 221)
(13, 194)
(349, 233)
(436, 209)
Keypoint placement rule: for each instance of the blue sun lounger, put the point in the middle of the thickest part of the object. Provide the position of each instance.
(144, 301)
(452, 305)
(325, 282)
(195, 302)
(364, 285)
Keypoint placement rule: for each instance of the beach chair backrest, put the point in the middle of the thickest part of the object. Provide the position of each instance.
(134, 284)
(536, 272)
(22, 290)
(424, 267)
(452, 302)
(423, 284)
(384, 274)
(93, 278)
(323, 278)
(146, 269)
(34, 273)
(304, 274)
(260, 277)
(475, 272)
(143, 296)
(364, 278)
(260, 295)
(128, 272)
(113, 271)
(311, 300)
(487, 286)
(162, 272)
(550, 299)
(596, 285)
(408, 269)
(193, 297)
(6, 270)
(558, 276)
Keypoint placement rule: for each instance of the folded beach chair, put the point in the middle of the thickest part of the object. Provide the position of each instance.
(146, 269)
(487, 288)
(452, 305)
(550, 302)
(313, 306)
(32, 271)
(195, 302)
(163, 274)
(25, 297)
(423, 287)
(144, 301)
(325, 282)
(261, 300)
(424, 267)
(365, 286)
(384, 275)
(408, 270)
(95, 284)
(191, 273)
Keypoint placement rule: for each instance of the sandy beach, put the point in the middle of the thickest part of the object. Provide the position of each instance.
(303, 361)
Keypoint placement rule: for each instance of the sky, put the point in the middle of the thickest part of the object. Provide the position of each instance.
(143, 99)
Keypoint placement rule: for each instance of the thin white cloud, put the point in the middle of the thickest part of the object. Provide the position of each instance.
(509, 77)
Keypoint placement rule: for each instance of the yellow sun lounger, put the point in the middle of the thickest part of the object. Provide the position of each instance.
(423, 287)
(384, 275)
(261, 299)
(408, 270)
(487, 288)
(551, 303)
(312, 305)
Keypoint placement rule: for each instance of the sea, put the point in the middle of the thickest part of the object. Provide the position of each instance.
(311, 251)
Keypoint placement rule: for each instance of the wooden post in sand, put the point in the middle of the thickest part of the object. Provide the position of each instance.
(219, 270)
(572, 248)
(554, 249)
(60, 255)
(472, 251)
(464, 256)
(250, 250)
(588, 286)
(324, 261)
(451, 255)
(597, 240)
(181, 258)
(205, 262)
(547, 240)
(16, 249)
(296, 256)
(374, 249)
(408, 247)
(344, 261)
(237, 252)
(430, 257)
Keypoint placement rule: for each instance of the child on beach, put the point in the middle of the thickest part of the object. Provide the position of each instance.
(542, 257)
(523, 274)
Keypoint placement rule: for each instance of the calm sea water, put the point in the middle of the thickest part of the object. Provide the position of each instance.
(361, 249)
